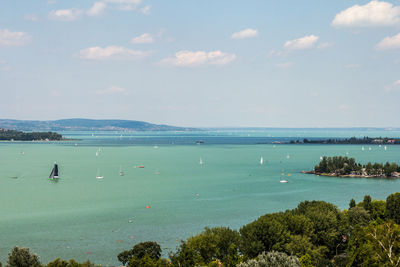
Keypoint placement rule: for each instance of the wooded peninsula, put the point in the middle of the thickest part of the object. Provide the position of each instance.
(351, 141)
(348, 167)
(13, 135)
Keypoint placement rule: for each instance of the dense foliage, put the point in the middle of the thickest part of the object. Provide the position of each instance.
(315, 233)
(348, 166)
(28, 136)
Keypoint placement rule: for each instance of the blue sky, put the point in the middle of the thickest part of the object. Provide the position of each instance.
(203, 63)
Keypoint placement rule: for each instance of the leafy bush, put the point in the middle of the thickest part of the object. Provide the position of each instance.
(272, 259)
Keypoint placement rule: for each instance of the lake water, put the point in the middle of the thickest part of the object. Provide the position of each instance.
(82, 217)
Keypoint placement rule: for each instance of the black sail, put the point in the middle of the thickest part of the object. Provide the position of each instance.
(54, 172)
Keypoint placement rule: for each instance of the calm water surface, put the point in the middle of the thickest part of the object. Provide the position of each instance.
(82, 217)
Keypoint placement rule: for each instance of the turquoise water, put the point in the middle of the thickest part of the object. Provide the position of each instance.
(82, 217)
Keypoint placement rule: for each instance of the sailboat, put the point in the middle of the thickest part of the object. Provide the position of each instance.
(54, 172)
(98, 176)
(201, 161)
(121, 173)
(283, 180)
(261, 161)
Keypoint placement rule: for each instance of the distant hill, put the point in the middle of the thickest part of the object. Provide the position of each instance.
(86, 125)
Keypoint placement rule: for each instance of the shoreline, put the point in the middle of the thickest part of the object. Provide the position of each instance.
(349, 175)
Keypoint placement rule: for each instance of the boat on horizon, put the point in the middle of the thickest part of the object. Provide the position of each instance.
(201, 161)
(261, 160)
(54, 172)
(121, 173)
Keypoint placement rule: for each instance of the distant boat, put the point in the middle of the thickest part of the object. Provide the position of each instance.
(385, 147)
(288, 156)
(283, 180)
(54, 172)
(22, 152)
(121, 173)
(201, 161)
(261, 161)
(369, 148)
(362, 148)
(98, 176)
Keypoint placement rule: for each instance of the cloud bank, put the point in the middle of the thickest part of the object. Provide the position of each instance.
(247, 33)
(197, 58)
(375, 13)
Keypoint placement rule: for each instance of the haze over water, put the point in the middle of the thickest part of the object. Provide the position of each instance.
(82, 217)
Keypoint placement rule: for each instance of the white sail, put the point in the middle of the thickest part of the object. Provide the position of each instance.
(261, 161)
(201, 161)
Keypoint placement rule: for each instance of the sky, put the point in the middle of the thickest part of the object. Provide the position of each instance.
(225, 63)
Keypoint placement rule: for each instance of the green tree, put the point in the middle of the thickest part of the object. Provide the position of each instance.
(21, 257)
(393, 207)
(378, 210)
(147, 261)
(264, 234)
(367, 203)
(272, 259)
(185, 256)
(328, 223)
(71, 263)
(358, 216)
(305, 261)
(149, 248)
(125, 256)
(352, 203)
(219, 243)
(385, 239)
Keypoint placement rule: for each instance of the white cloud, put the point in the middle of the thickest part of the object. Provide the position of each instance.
(146, 10)
(112, 90)
(9, 38)
(145, 38)
(197, 58)
(389, 43)
(285, 65)
(393, 87)
(129, 2)
(111, 52)
(31, 17)
(275, 53)
(375, 13)
(247, 33)
(306, 42)
(96, 9)
(66, 14)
